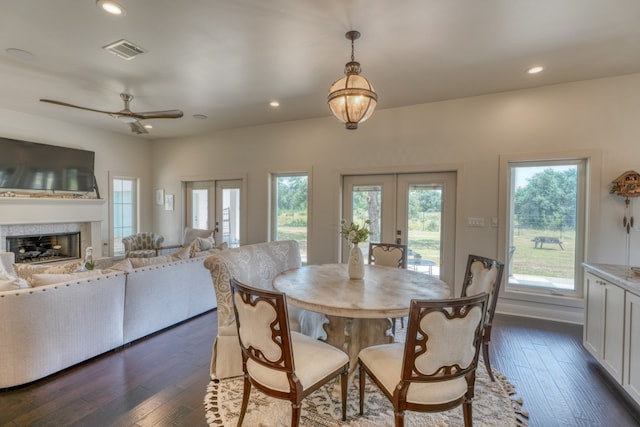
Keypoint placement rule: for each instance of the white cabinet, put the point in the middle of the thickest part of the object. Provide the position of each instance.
(605, 324)
(631, 379)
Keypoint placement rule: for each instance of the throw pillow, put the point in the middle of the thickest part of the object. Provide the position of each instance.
(66, 268)
(11, 284)
(124, 265)
(25, 271)
(143, 262)
(43, 279)
(184, 253)
(206, 243)
(221, 247)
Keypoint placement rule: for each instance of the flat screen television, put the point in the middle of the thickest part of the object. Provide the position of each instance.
(31, 166)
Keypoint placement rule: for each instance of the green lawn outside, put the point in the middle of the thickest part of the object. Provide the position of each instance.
(548, 261)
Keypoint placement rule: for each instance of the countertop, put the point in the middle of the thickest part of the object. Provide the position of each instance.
(617, 274)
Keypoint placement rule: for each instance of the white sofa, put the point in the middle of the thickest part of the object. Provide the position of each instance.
(49, 328)
(254, 265)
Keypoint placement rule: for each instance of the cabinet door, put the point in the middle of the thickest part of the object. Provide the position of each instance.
(631, 380)
(594, 315)
(613, 340)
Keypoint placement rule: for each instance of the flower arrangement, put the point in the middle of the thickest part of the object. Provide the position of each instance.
(88, 259)
(355, 233)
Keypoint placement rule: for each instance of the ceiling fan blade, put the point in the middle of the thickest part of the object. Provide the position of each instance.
(166, 114)
(138, 128)
(64, 104)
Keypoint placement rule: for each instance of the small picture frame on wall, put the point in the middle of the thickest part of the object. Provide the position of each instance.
(160, 197)
(168, 202)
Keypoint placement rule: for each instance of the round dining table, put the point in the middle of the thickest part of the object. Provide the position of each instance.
(359, 311)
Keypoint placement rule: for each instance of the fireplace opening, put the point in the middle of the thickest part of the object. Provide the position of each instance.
(45, 248)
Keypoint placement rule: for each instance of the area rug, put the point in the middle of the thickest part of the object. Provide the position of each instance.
(493, 406)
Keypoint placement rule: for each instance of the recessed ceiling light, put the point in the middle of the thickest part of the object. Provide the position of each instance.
(200, 116)
(274, 103)
(111, 7)
(148, 126)
(535, 70)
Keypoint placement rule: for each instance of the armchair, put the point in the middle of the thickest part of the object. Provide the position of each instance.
(142, 245)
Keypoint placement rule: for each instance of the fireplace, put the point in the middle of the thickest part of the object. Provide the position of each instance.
(43, 248)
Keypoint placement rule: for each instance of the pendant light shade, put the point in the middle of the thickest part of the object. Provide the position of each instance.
(352, 98)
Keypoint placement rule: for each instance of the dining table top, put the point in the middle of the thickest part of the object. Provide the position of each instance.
(383, 292)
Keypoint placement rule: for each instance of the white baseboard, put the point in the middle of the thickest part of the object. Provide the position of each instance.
(556, 313)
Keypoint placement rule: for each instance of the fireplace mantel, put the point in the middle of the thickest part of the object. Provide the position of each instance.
(38, 210)
(50, 214)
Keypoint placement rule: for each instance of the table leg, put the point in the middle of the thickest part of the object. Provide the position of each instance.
(352, 335)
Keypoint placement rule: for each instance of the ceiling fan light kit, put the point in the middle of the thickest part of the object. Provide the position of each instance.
(352, 98)
(126, 115)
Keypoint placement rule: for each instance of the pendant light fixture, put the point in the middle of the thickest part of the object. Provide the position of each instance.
(352, 98)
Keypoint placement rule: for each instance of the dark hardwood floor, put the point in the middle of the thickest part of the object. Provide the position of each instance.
(161, 381)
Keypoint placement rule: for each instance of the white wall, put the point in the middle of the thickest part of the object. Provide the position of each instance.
(598, 117)
(118, 153)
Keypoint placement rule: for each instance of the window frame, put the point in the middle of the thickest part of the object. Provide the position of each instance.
(135, 208)
(273, 209)
(588, 182)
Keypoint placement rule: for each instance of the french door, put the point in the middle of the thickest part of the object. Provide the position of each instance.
(415, 209)
(216, 205)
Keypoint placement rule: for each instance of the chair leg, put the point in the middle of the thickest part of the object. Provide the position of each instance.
(485, 355)
(402, 322)
(393, 326)
(362, 374)
(399, 418)
(467, 413)
(344, 379)
(295, 414)
(246, 392)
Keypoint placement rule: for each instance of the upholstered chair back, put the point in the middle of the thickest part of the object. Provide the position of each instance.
(388, 254)
(254, 265)
(190, 234)
(142, 245)
(484, 275)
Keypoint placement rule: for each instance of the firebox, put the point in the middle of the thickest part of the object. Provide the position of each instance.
(45, 248)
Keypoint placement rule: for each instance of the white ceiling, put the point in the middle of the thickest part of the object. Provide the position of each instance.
(228, 58)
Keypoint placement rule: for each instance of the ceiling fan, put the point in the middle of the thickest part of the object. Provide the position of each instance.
(126, 115)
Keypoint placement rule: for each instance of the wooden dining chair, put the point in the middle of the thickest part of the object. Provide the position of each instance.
(389, 255)
(435, 369)
(277, 361)
(484, 275)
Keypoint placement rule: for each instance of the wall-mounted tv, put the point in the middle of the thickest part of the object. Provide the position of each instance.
(31, 166)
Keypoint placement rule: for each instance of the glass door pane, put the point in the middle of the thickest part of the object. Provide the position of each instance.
(426, 222)
(370, 198)
(228, 219)
(199, 217)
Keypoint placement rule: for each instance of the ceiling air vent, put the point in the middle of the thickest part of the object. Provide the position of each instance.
(124, 49)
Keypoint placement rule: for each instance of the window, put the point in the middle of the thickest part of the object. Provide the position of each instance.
(124, 199)
(545, 232)
(290, 207)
